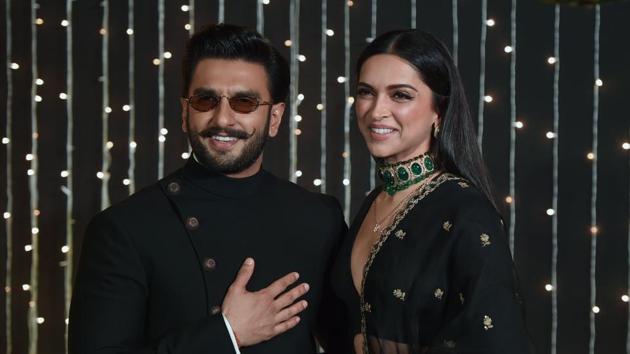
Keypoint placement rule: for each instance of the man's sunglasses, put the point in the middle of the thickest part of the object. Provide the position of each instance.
(240, 104)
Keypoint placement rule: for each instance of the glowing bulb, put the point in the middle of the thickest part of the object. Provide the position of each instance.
(345, 155)
(15, 66)
(298, 118)
(265, 2)
(508, 49)
(126, 182)
(300, 97)
(156, 61)
(346, 182)
(548, 287)
(65, 249)
(108, 109)
(351, 100)
(29, 157)
(288, 43)
(185, 155)
(341, 79)
(64, 174)
(39, 82)
(38, 98)
(35, 231)
(187, 27)
(298, 132)
(320, 106)
(596, 309)
(28, 248)
(330, 32)
(317, 182)
(40, 320)
(36, 212)
(488, 98)
(302, 58)
(519, 125)
(161, 138)
(552, 60)
(67, 320)
(26, 287)
(130, 31)
(551, 212)
(185, 8)
(6, 215)
(550, 135)
(163, 131)
(350, 2)
(100, 175)
(126, 108)
(65, 23)
(133, 144)
(599, 82)
(63, 96)
(594, 230)
(102, 31)
(625, 146)
(168, 55)
(298, 173)
(39, 21)
(109, 145)
(490, 22)
(5, 140)
(509, 199)
(30, 172)
(625, 298)
(590, 156)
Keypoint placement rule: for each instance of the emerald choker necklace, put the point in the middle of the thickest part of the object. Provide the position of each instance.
(402, 175)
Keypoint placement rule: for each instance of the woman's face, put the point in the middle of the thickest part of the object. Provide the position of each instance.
(394, 109)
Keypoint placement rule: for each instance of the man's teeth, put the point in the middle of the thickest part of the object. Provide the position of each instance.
(382, 130)
(223, 138)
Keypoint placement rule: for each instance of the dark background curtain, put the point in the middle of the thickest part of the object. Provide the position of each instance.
(533, 248)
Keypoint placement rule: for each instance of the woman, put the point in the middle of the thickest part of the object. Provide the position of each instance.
(426, 267)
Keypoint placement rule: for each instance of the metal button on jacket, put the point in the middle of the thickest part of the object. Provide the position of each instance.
(174, 187)
(192, 223)
(209, 264)
(215, 310)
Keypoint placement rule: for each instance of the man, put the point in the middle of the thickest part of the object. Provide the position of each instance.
(207, 259)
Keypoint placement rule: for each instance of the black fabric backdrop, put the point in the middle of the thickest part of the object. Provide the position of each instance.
(534, 85)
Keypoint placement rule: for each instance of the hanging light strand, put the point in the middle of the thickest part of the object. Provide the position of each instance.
(161, 137)
(106, 156)
(347, 167)
(294, 20)
(512, 228)
(455, 12)
(322, 98)
(413, 13)
(372, 36)
(34, 193)
(69, 187)
(191, 17)
(131, 143)
(8, 222)
(221, 18)
(593, 266)
(554, 202)
(260, 17)
(482, 71)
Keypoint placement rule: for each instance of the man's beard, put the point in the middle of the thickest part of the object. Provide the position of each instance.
(221, 161)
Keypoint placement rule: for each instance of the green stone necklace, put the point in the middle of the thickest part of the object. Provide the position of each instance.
(401, 175)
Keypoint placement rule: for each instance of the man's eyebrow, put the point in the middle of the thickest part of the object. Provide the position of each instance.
(247, 93)
(204, 90)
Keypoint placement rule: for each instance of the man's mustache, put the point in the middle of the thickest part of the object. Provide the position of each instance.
(235, 133)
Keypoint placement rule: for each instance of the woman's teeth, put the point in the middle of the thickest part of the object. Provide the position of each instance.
(382, 130)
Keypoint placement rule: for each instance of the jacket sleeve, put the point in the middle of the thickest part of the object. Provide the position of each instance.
(109, 303)
(488, 316)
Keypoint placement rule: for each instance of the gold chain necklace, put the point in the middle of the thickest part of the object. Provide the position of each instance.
(378, 225)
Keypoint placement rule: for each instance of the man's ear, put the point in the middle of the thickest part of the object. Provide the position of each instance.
(277, 110)
(184, 105)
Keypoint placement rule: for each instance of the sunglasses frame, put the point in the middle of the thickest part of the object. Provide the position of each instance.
(220, 97)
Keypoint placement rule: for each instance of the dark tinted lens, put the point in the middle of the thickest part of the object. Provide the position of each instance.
(243, 104)
(204, 103)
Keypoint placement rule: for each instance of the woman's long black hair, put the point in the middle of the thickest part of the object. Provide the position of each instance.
(455, 148)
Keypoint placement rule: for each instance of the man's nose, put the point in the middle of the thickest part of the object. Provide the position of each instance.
(223, 114)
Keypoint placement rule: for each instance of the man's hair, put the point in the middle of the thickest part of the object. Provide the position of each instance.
(224, 41)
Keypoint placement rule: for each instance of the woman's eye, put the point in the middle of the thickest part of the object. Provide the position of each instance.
(363, 92)
(401, 96)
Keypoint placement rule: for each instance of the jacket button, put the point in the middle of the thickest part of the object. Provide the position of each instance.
(209, 264)
(192, 223)
(173, 187)
(215, 310)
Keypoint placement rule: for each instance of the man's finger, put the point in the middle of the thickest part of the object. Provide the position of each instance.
(244, 274)
(291, 311)
(286, 325)
(290, 296)
(277, 287)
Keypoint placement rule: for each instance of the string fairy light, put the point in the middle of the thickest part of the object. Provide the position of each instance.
(513, 124)
(321, 181)
(161, 137)
(455, 13)
(294, 132)
(105, 153)
(131, 169)
(594, 228)
(221, 17)
(260, 17)
(347, 172)
(34, 195)
(413, 13)
(373, 35)
(69, 187)
(8, 211)
(625, 297)
(191, 18)
(554, 201)
(482, 72)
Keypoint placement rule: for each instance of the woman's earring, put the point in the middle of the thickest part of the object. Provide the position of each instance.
(436, 130)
